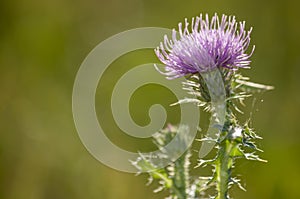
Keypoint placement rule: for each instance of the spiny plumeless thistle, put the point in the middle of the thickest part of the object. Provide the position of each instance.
(209, 53)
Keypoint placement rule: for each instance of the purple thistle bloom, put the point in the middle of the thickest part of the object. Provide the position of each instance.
(209, 45)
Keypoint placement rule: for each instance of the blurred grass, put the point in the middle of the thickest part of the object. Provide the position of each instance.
(42, 46)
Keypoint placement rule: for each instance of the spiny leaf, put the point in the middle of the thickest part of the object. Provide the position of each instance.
(246, 85)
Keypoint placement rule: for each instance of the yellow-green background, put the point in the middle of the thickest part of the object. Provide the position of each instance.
(42, 44)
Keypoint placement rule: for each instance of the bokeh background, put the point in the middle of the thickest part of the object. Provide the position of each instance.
(42, 44)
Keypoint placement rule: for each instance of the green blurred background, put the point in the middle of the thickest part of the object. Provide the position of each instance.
(42, 44)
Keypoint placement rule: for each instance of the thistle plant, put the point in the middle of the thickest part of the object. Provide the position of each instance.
(200, 52)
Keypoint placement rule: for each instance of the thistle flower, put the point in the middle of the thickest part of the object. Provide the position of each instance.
(209, 45)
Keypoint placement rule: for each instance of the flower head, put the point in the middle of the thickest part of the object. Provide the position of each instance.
(208, 45)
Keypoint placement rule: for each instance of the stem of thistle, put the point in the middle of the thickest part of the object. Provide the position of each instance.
(223, 169)
(181, 177)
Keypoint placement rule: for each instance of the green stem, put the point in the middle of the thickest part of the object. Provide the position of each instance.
(223, 169)
(181, 177)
